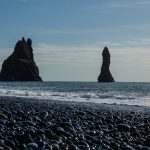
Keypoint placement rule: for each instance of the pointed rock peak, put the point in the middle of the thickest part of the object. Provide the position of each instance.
(23, 40)
(105, 51)
(29, 42)
(20, 65)
(105, 75)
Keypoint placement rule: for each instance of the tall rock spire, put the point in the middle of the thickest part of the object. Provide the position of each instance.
(20, 65)
(105, 75)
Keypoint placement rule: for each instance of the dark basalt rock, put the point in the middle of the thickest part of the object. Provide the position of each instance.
(20, 65)
(105, 75)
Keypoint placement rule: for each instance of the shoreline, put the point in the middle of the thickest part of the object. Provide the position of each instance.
(48, 124)
(86, 104)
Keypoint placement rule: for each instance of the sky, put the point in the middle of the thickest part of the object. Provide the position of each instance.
(69, 35)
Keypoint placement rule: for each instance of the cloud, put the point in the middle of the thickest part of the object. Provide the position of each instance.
(106, 7)
(109, 43)
(119, 5)
(59, 32)
(119, 28)
(135, 27)
(128, 51)
(146, 2)
(57, 54)
(91, 54)
(77, 53)
(23, 0)
(128, 44)
(144, 42)
(77, 32)
(129, 4)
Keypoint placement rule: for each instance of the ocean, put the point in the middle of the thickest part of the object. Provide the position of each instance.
(109, 93)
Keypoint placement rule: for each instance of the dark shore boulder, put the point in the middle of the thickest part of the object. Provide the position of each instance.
(105, 75)
(20, 65)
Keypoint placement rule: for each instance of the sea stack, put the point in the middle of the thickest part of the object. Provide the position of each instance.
(20, 65)
(105, 75)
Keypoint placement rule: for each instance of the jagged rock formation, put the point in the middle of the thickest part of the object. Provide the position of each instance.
(105, 75)
(20, 65)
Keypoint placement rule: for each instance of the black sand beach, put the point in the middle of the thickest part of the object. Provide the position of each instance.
(30, 124)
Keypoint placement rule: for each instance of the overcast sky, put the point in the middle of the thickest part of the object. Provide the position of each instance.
(69, 36)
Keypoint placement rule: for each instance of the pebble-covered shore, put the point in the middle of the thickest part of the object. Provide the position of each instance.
(28, 124)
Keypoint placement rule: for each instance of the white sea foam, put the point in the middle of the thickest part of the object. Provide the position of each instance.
(116, 93)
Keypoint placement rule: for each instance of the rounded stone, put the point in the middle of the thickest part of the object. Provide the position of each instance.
(33, 146)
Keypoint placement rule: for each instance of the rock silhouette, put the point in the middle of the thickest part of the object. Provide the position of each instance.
(20, 65)
(105, 75)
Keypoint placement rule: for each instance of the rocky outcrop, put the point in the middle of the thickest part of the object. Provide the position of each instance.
(20, 65)
(105, 75)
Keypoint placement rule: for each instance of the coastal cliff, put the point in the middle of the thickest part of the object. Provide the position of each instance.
(105, 75)
(20, 65)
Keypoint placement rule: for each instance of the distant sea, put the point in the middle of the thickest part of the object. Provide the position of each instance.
(110, 93)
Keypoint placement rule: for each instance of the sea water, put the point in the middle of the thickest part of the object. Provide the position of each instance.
(110, 93)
